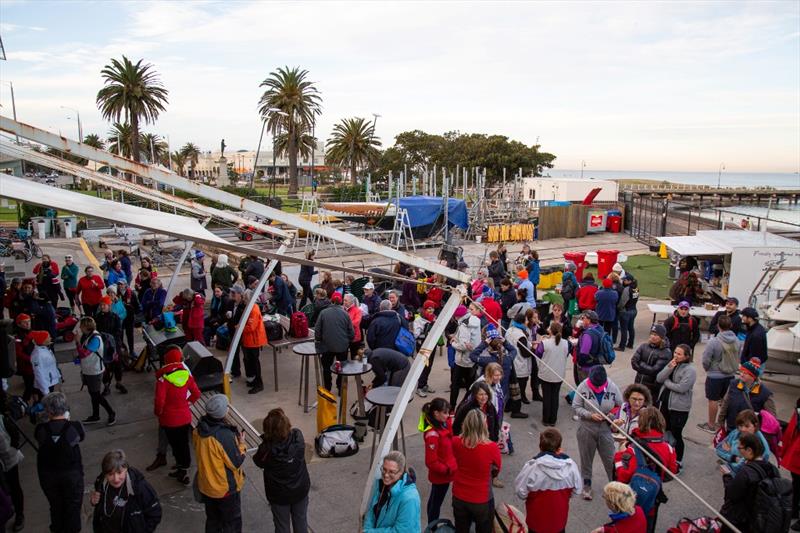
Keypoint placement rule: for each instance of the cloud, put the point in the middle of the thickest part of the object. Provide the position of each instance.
(5, 27)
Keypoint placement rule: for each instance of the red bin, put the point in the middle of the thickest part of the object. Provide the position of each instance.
(605, 262)
(614, 224)
(579, 258)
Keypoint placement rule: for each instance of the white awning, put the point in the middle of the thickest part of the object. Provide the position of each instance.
(695, 246)
(44, 195)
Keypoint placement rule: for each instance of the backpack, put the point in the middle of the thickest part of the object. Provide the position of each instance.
(109, 347)
(645, 482)
(772, 505)
(274, 330)
(336, 441)
(704, 524)
(298, 325)
(605, 354)
(404, 341)
(771, 429)
(729, 363)
(442, 525)
(677, 323)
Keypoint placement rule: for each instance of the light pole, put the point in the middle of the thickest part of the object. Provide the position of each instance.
(313, 148)
(13, 104)
(275, 111)
(78, 114)
(260, 138)
(583, 165)
(719, 174)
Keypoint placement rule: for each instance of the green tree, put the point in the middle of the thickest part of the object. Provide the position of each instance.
(120, 139)
(179, 161)
(289, 91)
(94, 141)
(352, 144)
(191, 153)
(154, 148)
(133, 92)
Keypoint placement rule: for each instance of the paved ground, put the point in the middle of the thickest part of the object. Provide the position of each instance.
(337, 484)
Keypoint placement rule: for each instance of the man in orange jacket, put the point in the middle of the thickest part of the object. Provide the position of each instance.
(254, 337)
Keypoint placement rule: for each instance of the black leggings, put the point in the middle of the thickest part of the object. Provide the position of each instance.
(327, 360)
(550, 398)
(178, 439)
(127, 325)
(676, 420)
(15, 490)
(795, 495)
(97, 400)
(435, 500)
(460, 378)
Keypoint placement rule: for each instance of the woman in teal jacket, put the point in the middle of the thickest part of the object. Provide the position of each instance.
(69, 278)
(395, 506)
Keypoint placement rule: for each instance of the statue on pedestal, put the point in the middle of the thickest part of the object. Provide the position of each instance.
(222, 149)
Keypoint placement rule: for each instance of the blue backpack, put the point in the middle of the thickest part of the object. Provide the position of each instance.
(645, 482)
(405, 341)
(605, 346)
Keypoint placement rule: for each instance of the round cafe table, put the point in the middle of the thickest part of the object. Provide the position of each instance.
(383, 398)
(349, 369)
(307, 350)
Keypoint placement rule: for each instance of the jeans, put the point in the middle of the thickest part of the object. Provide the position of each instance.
(465, 514)
(178, 438)
(550, 392)
(609, 326)
(64, 492)
(626, 321)
(296, 514)
(224, 515)
(252, 365)
(327, 362)
(435, 500)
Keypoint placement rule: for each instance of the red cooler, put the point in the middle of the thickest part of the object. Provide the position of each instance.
(605, 261)
(579, 258)
(614, 224)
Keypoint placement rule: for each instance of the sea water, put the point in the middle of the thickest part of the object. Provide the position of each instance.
(779, 180)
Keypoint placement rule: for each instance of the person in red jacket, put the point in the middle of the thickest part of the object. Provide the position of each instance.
(434, 423)
(254, 337)
(626, 516)
(491, 307)
(586, 292)
(478, 460)
(90, 291)
(790, 460)
(196, 319)
(546, 483)
(175, 390)
(23, 346)
(651, 433)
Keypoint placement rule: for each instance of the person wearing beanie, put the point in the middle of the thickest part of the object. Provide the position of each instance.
(220, 452)
(495, 349)
(109, 322)
(746, 392)
(755, 341)
(198, 281)
(596, 394)
(617, 268)
(526, 285)
(651, 357)
(462, 373)
(605, 301)
(175, 391)
(23, 347)
(682, 328)
(45, 368)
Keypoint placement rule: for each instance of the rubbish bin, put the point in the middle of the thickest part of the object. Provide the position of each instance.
(579, 258)
(41, 229)
(614, 223)
(605, 261)
(545, 278)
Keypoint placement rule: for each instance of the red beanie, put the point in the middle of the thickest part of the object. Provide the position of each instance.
(22, 317)
(336, 298)
(173, 355)
(607, 283)
(40, 337)
(106, 300)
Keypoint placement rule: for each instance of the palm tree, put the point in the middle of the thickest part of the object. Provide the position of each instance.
(179, 160)
(93, 140)
(120, 139)
(302, 140)
(133, 92)
(298, 101)
(191, 153)
(153, 147)
(353, 144)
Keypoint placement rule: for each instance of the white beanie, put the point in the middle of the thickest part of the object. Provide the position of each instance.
(616, 268)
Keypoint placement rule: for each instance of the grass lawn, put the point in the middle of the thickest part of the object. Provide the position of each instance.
(8, 214)
(650, 271)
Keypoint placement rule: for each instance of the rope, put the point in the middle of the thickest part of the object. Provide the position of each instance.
(655, 459)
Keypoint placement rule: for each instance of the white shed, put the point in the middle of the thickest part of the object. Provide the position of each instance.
(568, 189)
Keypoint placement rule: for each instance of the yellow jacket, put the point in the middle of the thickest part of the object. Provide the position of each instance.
(219, 455)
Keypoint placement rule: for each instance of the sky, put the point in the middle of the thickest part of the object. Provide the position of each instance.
(675, 86)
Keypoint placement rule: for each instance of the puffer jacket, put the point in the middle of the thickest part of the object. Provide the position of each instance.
(546, 483)
(401, 513)
(219, 456)
(286, 479)
(175, 390)
(680, 381)
(254, 334)
(740, 493)
(462, 343)
(648, 361)
(439, 456)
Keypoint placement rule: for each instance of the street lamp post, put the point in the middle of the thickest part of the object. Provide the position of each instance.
(583, 165)
(13, 104)
(719, 174)
(78, 115)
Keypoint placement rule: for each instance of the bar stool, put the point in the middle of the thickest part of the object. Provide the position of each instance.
(307, 350)
(355, 369)
(383, 398)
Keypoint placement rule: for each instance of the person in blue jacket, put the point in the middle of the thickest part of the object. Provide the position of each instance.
(728, 450)
(533, 268)
(606, 305)
(153, 299)
(394, 506)
(495, 349)
(281, 297)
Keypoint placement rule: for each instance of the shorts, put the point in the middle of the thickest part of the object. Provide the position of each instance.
(717, 387)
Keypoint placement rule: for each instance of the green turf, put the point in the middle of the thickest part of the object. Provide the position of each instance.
(652, 274)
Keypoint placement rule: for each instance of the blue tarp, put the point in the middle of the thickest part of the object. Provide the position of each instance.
(425, 210)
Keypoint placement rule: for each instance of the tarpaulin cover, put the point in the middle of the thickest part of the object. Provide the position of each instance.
(425, 210)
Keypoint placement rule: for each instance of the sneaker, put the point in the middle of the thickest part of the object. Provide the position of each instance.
(256, 389)
(421, 393)
(121, 388)
(707, 428)
(91, 420)
(112, 419)
(620, 348)
(428, 390)
(587, 493)
(519, 415)
(576, 418)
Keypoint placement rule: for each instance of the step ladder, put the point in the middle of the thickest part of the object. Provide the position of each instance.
(308, 207)
(402, 234)
(314, 241)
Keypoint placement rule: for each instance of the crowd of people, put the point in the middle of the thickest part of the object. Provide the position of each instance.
(506, 345)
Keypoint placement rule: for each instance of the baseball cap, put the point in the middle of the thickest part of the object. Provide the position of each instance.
(732, 299)
(685, 304)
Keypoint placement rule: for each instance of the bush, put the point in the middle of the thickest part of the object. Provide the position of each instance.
(27, 211)
(345, 193)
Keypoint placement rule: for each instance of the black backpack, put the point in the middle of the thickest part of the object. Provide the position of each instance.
(772, 505)
(274, 330)
(109, 347)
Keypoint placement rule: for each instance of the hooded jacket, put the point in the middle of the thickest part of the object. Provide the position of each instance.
(629, 296)
(462, 342)
(383, 328)
(519, 337)
(9, 455)
(740, 493)
(219, 456)
(733, 456)
(682, 330)
(401, 511)
(45, 369)
(281, 296)
(224, 276)
(569, 287)
(648, 361)
(175, 390)
(142, 509)
(679, 381)
(286, 479)
(546, 483)
(611, 398)
(497, 271)
(721, 356)
(439, 456)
